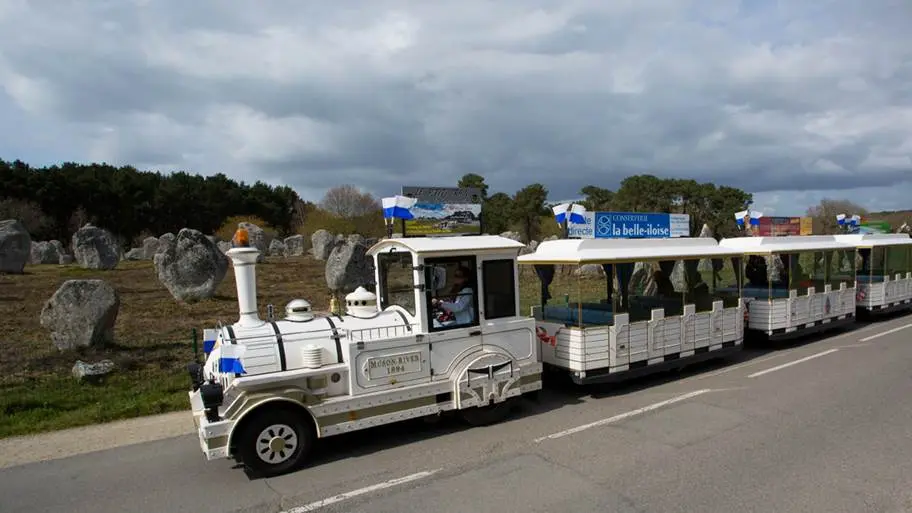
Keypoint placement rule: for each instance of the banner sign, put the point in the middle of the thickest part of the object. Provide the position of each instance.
(631, 225)
(779, 226)
(443, 211)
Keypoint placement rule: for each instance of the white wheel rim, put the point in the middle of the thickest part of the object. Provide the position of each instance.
(276, 443)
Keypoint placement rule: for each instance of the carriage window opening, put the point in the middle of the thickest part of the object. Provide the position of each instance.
(499, 289)
(397, 282)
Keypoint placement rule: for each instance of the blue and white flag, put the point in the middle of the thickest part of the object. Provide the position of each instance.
(560, 212)
(230, 358)
(854, 220)
(577, 214)
(739, 217)
(398, 207)
(755, 218)
(841, 219)
(209, 336)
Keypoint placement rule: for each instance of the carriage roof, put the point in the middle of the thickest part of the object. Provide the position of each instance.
(785, 244)
(582, 251)
(467, 244)
(870, 240)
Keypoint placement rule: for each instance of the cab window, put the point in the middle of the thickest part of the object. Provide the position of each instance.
(397, 283)
(451, 292)
(499, 288)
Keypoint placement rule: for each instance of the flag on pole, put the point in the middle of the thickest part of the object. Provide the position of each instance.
(577, 214)
(398, 207)
(560, 212)
(230, 358)
(841, 219)
(755, 218)
(739, 217)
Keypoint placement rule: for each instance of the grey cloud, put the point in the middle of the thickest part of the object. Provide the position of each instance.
(383, 94)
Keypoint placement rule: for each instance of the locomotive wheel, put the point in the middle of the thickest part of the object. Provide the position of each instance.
(275, 442)
(486, 415)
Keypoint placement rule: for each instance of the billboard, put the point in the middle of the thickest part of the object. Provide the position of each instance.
(778, 226)
(630, 225)
(443, 211)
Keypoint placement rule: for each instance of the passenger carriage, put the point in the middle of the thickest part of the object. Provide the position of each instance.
(635, 306)
(883, 281)
(270, 387)
(796, 284)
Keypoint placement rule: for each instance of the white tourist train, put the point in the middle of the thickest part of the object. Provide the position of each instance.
(883, 280)
(634, 306)
(796, 284)
(448, 328)
(270, 387)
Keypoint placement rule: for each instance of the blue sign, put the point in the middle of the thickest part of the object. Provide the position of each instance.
(632, 225)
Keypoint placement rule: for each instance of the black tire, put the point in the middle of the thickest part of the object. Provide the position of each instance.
(284, 423)
(486, 415)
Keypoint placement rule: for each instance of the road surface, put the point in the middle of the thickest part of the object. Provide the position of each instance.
(824, 425)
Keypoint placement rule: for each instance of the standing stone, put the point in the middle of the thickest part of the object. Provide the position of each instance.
(705, 264)
(512, 236)
(95, 248)
(224, 246)
(164, 242)
(81, 313)
(348, 267)
(15, 246)
(149, 247)
(257, 239)
(276, 248)
(191, 268)
(44, 253)
(323, 243)
(295, 245)
(135, 254)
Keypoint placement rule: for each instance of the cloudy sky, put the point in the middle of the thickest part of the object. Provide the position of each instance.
(792, 100)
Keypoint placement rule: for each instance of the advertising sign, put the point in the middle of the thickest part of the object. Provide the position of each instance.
(631, 225)
(778, 226)
(443, 211)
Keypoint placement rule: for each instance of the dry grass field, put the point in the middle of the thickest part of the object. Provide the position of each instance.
(153, 340)
(152, 345)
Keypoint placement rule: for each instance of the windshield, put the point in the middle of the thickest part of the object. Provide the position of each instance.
(397, 281)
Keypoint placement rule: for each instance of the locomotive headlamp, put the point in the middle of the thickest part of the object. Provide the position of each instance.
(212, 395)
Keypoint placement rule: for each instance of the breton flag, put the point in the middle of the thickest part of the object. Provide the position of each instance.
(739, 217)
(560, 212)
(577, 214)
(398, 207)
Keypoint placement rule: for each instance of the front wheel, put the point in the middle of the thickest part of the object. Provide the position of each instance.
(275, 442)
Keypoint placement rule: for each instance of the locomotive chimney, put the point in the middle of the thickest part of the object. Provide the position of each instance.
(243, 258)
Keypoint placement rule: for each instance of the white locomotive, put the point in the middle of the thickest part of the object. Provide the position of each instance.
(270, 387)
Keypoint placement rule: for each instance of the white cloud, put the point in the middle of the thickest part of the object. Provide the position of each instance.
(792, 101)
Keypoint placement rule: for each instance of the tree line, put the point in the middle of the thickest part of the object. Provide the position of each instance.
(54, 201)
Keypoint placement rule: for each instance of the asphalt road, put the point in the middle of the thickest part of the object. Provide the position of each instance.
(821, 425)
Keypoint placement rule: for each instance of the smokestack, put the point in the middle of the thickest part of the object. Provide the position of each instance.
(244, 261)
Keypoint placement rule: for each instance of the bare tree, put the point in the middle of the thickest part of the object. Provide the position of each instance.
(824, 214)
(348, 201)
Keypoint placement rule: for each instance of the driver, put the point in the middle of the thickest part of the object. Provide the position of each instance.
(462, 307)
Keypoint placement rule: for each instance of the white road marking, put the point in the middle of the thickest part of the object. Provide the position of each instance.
(348, 495)
(796, 362)
(726, 370)
(622, 416)
(878, 335)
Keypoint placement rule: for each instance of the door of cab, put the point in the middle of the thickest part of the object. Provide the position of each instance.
(449, 342)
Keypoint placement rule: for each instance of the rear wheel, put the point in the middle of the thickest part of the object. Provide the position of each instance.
(275, 441)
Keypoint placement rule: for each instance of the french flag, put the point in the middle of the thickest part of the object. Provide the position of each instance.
(755, 218)
(577, 214)
(398, 207)
(230, 359)
(560, 212)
